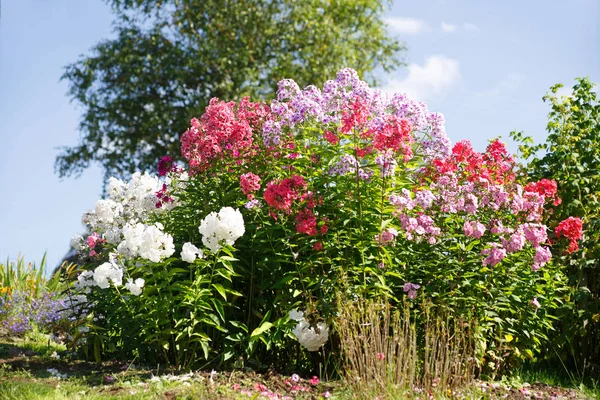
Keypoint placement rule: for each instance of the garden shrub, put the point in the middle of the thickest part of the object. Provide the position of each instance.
(240, 258)
(571, 157)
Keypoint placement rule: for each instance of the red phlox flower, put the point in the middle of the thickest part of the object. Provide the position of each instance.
(572, 229)
(331, 137)
(361, 153)
(225, 129)
(281, 195)
(394, 135)
(356, 116)
(546, 188)
(306, 222)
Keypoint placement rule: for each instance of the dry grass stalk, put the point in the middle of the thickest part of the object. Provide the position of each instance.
(386, 355)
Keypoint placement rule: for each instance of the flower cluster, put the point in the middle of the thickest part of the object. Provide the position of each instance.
(411, 289)
(226, 226)
(310, 337)
(572, 229)
(480, 188)
(250, 183)
(225, 129)
(347, 104)
(20, 312)
(189, 252)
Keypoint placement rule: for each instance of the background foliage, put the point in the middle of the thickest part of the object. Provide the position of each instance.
(571, 156)
(140, 89)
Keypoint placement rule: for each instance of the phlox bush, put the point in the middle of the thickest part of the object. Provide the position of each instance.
(343, 190)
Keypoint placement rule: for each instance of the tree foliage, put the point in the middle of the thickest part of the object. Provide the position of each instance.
(571, 156)
(140, 89)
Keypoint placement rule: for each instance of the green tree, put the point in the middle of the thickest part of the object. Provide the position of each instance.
(571, 156)
(170, 57)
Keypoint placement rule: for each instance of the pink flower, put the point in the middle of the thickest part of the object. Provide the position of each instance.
(93, 240)
(535, 233)
(515, 243)
(314, 380)
(318, 246)
(235, 386)
(535, 303)
(326, 394)
(260, 387)
(542, 256)
(386, 237)
(474, 229)
(295, 378)
(494, 254)
(250, 183)
(380, 356)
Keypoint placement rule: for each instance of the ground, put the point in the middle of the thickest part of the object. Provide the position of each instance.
(33, 369)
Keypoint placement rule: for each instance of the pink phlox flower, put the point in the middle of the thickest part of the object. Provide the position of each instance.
(515, 242)
(250, 183)
(495, 254)
(474, 229)
(94, 239)
(542, 256)
(314, 381)
(535, 233)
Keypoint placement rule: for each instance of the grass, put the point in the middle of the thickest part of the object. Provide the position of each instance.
(24, 375)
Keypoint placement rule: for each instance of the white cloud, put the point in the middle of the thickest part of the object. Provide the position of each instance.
(434, 78)
(408, 26)
(449, 28)
(452, 28)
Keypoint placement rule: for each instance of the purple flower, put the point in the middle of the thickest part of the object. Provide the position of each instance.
(165, 165)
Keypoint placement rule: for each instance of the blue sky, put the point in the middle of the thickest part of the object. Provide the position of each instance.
(485, 65)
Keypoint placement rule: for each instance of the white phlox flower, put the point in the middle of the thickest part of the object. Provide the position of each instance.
(146, 241)
(106, 273)
(225, 226)
(189, 252)
(312, 338)
(135, 287)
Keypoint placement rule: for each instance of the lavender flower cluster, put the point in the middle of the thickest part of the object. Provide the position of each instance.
(294, 106)
(20, 312)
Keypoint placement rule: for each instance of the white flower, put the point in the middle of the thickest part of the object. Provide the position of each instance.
(296, 315)
(77, 242)
(108, 272)
(135, 287)
(226, 226)
(189, 252)
(85, 279)
(148, 242)
(54, 372)
(312, 338)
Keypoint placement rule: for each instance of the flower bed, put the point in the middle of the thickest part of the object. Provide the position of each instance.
(285, 208)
